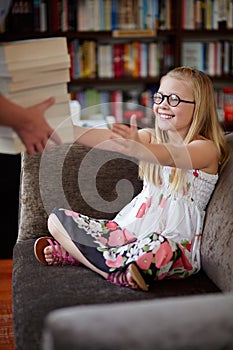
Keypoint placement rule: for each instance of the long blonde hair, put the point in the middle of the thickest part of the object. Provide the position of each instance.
(204, 123)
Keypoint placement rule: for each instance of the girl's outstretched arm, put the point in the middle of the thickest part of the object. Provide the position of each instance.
(199, 154)
(103, 138)
(92, 137)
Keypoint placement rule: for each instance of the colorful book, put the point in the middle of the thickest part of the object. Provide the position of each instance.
(194, 54)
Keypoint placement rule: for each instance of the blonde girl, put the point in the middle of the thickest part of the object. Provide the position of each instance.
(158, 234)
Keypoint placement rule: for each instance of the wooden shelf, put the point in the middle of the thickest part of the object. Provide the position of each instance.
(115, 81)
(205, 33)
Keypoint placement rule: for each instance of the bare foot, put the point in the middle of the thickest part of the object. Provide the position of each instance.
(52, 258)
(49, 252)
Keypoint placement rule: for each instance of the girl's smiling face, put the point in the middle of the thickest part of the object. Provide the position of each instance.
(176, 118)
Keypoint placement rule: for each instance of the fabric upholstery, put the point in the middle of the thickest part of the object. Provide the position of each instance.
(39, 289)
(75, 177)
(217, 241)
(175, 323)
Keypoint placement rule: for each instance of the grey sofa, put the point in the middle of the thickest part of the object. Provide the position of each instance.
(74, 308)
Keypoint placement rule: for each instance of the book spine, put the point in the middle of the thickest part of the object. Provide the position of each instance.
(116, 105)
(55, 21)
(114, 14)
(20, 17)
(136, 59)
(118, 65)
(64, 16)
(43, 17)
(36, 15)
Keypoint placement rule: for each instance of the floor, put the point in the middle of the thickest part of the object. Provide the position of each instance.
(6, 321)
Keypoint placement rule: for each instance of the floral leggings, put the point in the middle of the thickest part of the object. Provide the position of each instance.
(111, 248)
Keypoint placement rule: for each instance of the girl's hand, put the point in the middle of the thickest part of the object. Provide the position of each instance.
(126, 137)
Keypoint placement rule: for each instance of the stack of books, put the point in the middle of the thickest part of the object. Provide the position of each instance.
(30, 72)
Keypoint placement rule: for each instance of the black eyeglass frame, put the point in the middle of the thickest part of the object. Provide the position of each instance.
(168, 96)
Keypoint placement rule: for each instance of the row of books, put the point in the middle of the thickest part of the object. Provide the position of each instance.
(114, 14)
(116, 60)
(120, 103)
(88, 15)
(207, 14)
(30, 72)
(117, 14)
(213, 58)
(26, 16)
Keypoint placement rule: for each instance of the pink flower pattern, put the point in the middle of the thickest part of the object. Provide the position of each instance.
(164, 262)
(144, 206)
(72, 213)
(111, 225)
(116, 238)
(115, 263)
(163, 255)
(154, 254)
(145, 260)
(141, 211)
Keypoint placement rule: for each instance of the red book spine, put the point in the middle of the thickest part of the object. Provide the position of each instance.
(118, 60)
(55, 20)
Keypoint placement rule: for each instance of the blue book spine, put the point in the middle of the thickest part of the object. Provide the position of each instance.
(114, 15)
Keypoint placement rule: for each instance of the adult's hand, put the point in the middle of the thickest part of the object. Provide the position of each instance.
(34, 130)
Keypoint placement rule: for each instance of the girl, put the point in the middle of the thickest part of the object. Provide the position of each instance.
(157, 235)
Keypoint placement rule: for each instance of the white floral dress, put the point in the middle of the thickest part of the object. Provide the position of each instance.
(159, 230)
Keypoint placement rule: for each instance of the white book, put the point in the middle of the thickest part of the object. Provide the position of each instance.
(43, 17)
(211, 54)
(82, 21)
(230, 15)
(153, 65)
(42, 79)
(25, 69)
(188, 14)
(28, 101)
(219, 59)
(104, 57)
(215, 14)
(33, 49)
(41, 92)
(143, 60)
(193, 55)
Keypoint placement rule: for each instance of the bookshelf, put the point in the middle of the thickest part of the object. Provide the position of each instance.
(162, 29)
(174, 24)
(164, 25)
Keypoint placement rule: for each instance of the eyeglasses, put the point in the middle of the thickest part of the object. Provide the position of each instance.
(173, 100)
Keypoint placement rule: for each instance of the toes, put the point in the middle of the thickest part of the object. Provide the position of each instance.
(48, 255)
(47, 250)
